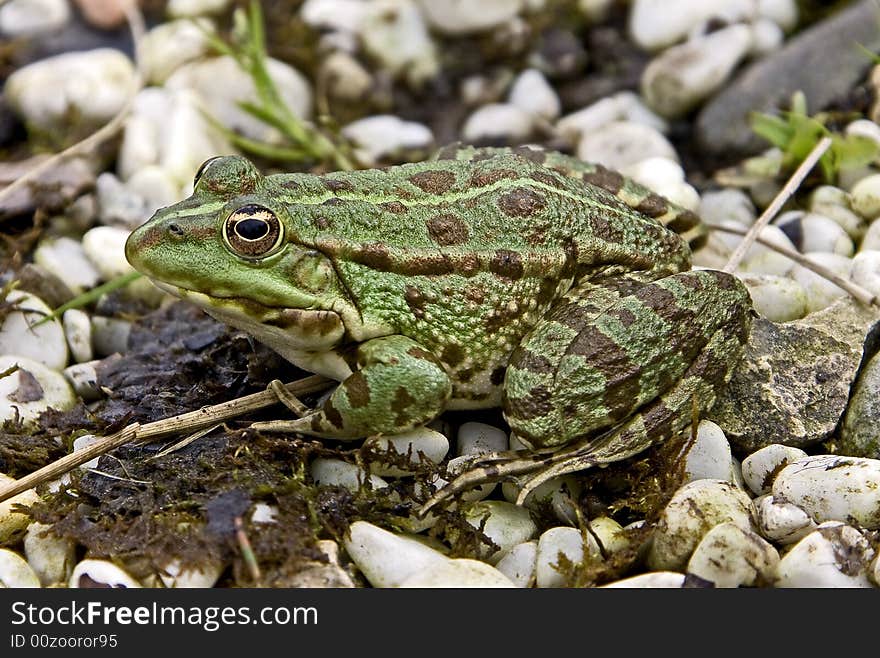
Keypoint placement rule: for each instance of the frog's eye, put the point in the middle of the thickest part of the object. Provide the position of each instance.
(252, 231)
(203, 168)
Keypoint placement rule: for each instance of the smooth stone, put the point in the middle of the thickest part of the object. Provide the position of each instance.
(155, 187)
(871, 239)
(519, 563)
(64, 257)
(105, 248)
(497, 121)
(794, 380)
(814, 232)
(118, 205)
(652, 580)
(761, 259)
(863, 128)
(693, 510)
(859, 435)
(102, 14)
(505, 524)
(865, 197)
(821, 293)
(730, 556)
(15, 572)
(780, 521)
(50, 556)
(28, 18)
(21, 335)
(609, 535)
(833, 555)
(654, 24)
(421, 445)
(203, 576)
(727, 205)
(387, 559)
(761, 467)
(222, 101)
(188, 8)
(337, 473)
(623, 143)
(394, 33)
(595, 11)
(345, 77)
(13, 523)
(459, 17)
(480, 439)
(533, 94)
(31, 390)
(622, 106)
(777, 298)
(666, 178)
(766, 37)
(343, 15)
(109, 335)
(100, 573)
(78, 331)
(833, 488)
(264, 513)
(384, 135)
(708, 455)
(834, 203)
(820, 61)
(681, 77)
(81, 443)
(83, 379)
(567, 541)
(92, 85)
(457, 573)
(558, 494)
(784, 13)
(168, 46)
(456, 466)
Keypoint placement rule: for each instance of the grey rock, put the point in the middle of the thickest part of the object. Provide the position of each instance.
(793, 383)
(860, 432)
(822, 61)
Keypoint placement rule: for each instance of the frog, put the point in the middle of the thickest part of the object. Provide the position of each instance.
(512, 277)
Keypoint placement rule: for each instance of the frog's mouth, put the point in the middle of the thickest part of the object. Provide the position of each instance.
(285, 330)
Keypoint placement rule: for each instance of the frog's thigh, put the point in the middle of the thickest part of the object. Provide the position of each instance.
(398, 385)
(576, 375)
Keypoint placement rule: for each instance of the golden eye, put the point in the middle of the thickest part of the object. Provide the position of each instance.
(252, 231)
(204, 166)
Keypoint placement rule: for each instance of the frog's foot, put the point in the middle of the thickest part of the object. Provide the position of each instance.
(398, 385)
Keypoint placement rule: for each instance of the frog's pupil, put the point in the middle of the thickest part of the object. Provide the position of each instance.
(252, 229)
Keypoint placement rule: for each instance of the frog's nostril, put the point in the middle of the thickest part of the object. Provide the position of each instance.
(175, 230)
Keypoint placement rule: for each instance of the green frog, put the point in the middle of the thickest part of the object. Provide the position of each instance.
(556, 289)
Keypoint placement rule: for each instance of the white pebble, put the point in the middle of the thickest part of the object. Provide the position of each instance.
(344, 15)
(505, 524)
(78, 331)
(560, 494)
(100, 573)
(497, 121)
(421, 444)
(834, 203)
(15, 572)
(595, 11)
(337, 473)
(346, 78)
(760, 467)
(871, 239)
(651, 580)
(458, 574)
(666, 178)
(833, 555)
(387, 559)
(81, 443)
(155, 187)
(782, 12)
(780, 521)
(623, 143)
(865, 197)
(761, 259)
(533, 94)
(264, 513)
(92, 85)
(821, 293)
(83, 378)
(480, 439)
(622, 106)
(609, 534)
(833, 488)
(64, 257)
(203, 576)
(730, 556)
(562, 540)
(682, 76)
(519, 563)
(20, 334)
(767, 37)
(30, 390)
(394, 32)
(863, 128)
(708, 456)
(654, 24)
(27, 18)
(168, 46)
(50, 556)
(187, 8)
(457, 17)
(865, 270)
(12, 523)
(693, 510)
(109, 335)
(384, 135)
(456, 466)
(118, 204)
(727, 205)
(818, 233)
(777, 298)
(105, 248)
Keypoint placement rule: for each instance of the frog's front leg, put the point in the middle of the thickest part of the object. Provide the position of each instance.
(398, 385)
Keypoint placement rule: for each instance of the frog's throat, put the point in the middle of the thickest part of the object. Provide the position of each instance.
(304, 337)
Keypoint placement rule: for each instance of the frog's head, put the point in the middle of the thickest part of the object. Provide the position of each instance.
(231, 249)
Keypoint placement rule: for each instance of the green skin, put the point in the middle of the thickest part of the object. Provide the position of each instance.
(527, 279)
